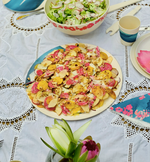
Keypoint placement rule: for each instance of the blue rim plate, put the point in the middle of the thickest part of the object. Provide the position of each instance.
(39, 60)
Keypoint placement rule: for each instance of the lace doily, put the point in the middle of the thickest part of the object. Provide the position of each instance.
(15, 107)
(131, 128)
(37, 24)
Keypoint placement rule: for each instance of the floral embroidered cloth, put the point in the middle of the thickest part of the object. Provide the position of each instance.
(137, 108)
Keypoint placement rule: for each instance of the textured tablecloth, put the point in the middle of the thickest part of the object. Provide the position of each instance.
(21, 126)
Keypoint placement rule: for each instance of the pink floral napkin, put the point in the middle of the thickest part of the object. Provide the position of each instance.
(137, 108)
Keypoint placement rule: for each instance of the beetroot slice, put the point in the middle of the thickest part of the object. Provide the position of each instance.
(106, 66)
(112, 83)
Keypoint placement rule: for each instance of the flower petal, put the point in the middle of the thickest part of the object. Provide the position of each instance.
(90, 155)
(80, 131)
(83, 149)
(66, 126)
(61, 138)
(55, 142)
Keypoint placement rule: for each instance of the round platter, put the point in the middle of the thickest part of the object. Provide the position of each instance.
(108, 102)
(141, 44)
(24, 5)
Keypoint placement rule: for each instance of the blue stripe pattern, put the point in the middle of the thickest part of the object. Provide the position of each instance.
(128, 37)
(23, 5)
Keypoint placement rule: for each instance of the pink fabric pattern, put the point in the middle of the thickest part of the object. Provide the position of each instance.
(119, 109)
(141, 114)
(142, 97)
(111, 108)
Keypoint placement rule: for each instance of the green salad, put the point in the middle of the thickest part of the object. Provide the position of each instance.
(76, 12)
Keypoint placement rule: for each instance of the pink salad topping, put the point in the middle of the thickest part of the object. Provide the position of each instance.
(64, 95)
(34, 88)
(112, 83)
(39, 72)
(55, 54)
(87, 64)
(106, 66)
(82, 103)
(81, 56)
(50, 84)
(80, 71)
(70, 82)
(64, 110)
(60, 68)
(97, 51)
(48, 73)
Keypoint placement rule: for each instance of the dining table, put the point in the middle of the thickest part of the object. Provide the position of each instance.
(22, 125)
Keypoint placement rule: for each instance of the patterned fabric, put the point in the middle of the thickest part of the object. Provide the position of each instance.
(138, 108)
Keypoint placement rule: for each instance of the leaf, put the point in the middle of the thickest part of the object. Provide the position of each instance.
(77, 152)
(68, 129)
(61, 129)
(57, 145)
(83, 157)
(71, 148)
(93, 159)
(51, 147)
(55, 121)
(77, 134)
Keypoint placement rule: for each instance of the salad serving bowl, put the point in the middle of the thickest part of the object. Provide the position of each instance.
(76, 29)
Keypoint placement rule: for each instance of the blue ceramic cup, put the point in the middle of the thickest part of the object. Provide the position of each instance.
(128, 28)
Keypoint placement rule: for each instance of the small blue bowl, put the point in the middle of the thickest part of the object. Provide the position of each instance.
(22, 5)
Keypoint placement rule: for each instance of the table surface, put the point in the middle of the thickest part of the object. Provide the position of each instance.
(21, 125)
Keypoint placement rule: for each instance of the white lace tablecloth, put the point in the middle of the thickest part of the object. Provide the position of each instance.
(21, 125)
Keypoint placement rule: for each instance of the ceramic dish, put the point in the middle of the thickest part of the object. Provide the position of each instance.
(144, 45)
(140, 44)
(81, 29)
(107, 102)
(24, 5)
